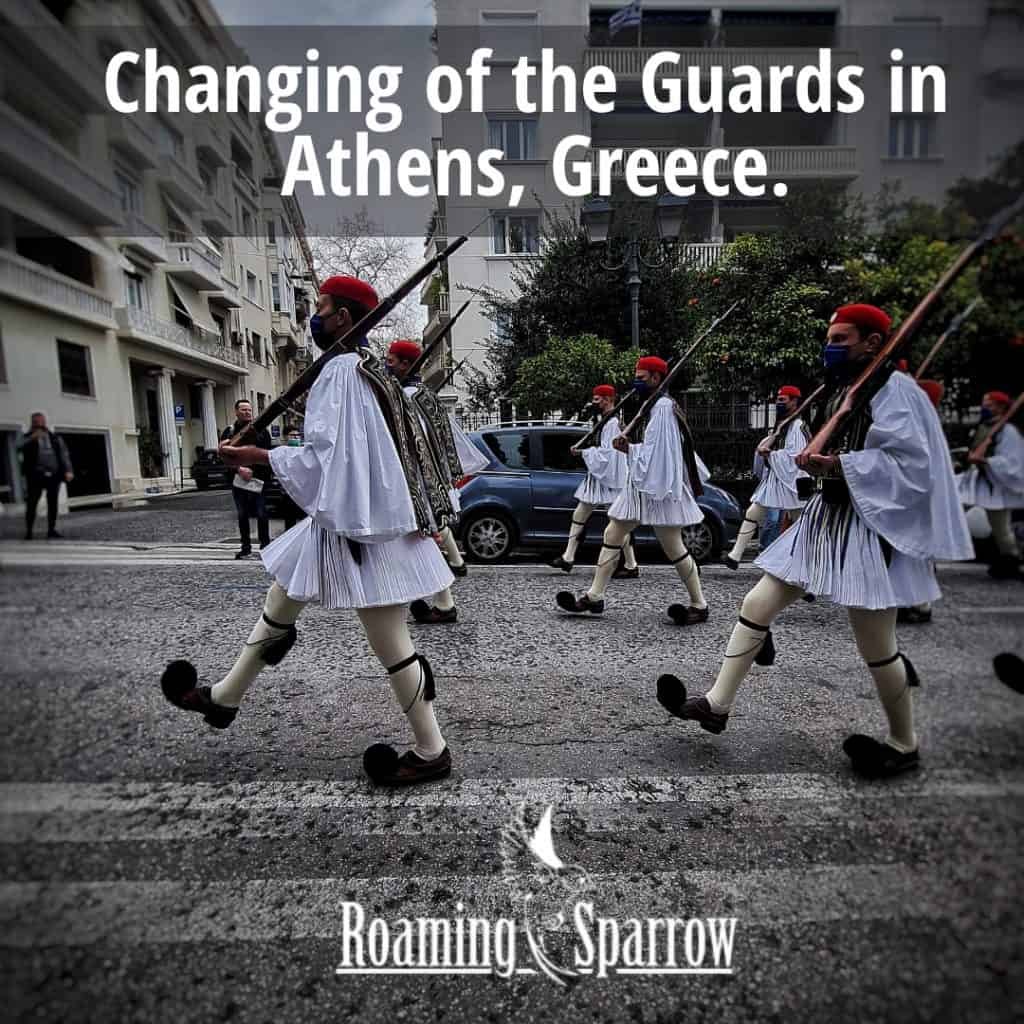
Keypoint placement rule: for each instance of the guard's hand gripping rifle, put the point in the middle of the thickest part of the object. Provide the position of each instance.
(306, 379)
(981, 450)
(954, 326)
(654, 396)
(861, 391)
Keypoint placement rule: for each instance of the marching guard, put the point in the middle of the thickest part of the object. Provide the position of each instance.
(372, 501)
(775, 461)
(881, 512)
(606, 476)
(661, 484)
(995, 481)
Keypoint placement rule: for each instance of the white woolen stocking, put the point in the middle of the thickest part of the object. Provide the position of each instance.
(278, 607)
(450, 547)
(389, 638)
(671, 541)
(576, 530)
(753, 520)
(628, 554)
(615, 533)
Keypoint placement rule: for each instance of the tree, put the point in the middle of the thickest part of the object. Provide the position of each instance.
(360, 249)
(561, 378)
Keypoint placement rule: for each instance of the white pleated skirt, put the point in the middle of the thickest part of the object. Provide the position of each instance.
(593, 492)
(773, 493)
(832, 553)
(453, 496)
(313, 564)
(632, 506)
(974, 489)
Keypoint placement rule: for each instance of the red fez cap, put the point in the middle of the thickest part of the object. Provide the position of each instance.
(998, 396)
(789, 391)
(934, 389)
(865, 317)
(903, 366)
(342, 287)
(604, 391)
(407, 350)
(652, 364)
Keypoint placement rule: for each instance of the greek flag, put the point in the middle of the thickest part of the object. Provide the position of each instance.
(626, 18)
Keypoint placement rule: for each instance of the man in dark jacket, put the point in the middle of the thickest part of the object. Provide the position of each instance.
(46, 464)
(248, 485)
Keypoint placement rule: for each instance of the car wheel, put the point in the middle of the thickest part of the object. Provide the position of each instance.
(702, 541)
(489, 537)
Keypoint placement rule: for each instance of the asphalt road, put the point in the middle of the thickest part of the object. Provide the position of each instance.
(154, 869)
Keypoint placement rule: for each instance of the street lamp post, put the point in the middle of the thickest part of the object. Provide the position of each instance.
(596, 217)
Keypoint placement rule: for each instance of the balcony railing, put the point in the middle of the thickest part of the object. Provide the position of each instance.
(52, 172)
(701, 254)
(143, 237)
(783, 161)
(138, 321)
(204, 260)
(629, 61)
(29, 282)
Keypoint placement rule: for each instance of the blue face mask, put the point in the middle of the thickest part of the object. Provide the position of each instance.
(641, 387)
(835, 356)
(986, 415)
(781, 408)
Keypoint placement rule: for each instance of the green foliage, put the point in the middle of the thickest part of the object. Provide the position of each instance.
(561, 378)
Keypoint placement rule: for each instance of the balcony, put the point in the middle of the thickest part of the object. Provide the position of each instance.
(130, 134)
(216, 214)
(784, 162)
(144, 239)
(195, 264)
(51, 172)
(180, 182)
(245, 183)
(703, 255)
(35, 285)
(627, 62)
(210, 143)
(193, 343)
(226, 294)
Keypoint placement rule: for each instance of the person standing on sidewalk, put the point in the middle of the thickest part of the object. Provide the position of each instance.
(46, 464)
(247, 488)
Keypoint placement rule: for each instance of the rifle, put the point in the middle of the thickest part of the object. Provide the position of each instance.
(860, 393)
(306, 379)
(981, 450)
(954, 326)
(451, 374)
(599, 426)
(441, 335)
(648, 402)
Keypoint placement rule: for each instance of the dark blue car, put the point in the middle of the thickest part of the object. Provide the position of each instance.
(524, 498)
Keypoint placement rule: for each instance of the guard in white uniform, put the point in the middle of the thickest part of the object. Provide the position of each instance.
(662, 481)
(606, 476)
(372, 502)
(777, 468)
(996, 482)
(885, 508)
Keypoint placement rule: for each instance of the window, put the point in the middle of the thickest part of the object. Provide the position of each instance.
(516, 234)
(182, 316)
(135, 290)
(271, 235)
(275, 291)
(261, 403)
(257, 347)
(3, 362)
(128, 189)
(516, 139)
(262, 303)
(512, 449)
(209, 180)
(248, 225)
(168, 140)
(177, 230)
(195, 401)
(75, 378)
(911, 138)
(556, 454)
(250, 285)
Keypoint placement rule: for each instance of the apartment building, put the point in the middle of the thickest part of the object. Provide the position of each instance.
(977, 43)
(150, 271)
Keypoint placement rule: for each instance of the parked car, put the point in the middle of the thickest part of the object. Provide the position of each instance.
(524, 498)
(208, 471)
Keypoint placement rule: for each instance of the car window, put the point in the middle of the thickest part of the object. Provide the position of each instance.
(511, 448)
(555, 450)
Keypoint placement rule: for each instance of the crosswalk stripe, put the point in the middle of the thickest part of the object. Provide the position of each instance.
(96, 812)
(260, 910)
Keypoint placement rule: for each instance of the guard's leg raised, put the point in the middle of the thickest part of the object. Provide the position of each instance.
(753, 520)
